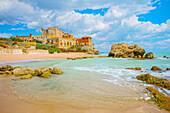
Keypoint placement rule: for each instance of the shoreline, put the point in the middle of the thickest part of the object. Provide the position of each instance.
(11, 57)
(10, 100)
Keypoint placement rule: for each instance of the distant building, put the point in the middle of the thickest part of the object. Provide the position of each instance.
(84, 41)
(55, 37)
(25, 38)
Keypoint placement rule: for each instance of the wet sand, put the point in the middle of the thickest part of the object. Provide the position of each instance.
(9, 57)
(10, 102)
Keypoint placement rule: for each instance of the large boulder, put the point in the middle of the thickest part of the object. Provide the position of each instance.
(23, 71)
(40, 71)
(149, 55)
(136, 68)
(154, 80)
(29, 76)
(155, 68)
(57, 71)
(46, 74)
(91, 49)
(6, 68)
(124, 50)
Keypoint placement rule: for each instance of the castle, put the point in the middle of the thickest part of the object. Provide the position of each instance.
(55, 37)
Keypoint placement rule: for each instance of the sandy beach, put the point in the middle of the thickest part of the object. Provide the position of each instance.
(90, 101)
(10, 102)
(9, 57)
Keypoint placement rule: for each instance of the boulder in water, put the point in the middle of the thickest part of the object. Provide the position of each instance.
(154, 80)
(167, 68)
(57, 71)
(6, 68)
(149, 55)
(23, 71)
(29, 76)
(40, 71)
(155, 68)
(123, 49)
(46, 74)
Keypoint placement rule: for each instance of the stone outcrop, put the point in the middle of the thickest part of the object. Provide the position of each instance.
(154, 80)
(91, 49)
(136, 68)
(29, 76)
(6, 68)
(46, 74)
(149, 55)
(155, 68)
(43, 72)
(40, 71)
(160, 98)
(125, 50)
(57, 71)
(27, 73)
(23, 71)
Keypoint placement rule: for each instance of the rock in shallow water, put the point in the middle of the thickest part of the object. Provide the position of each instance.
(29, 76)
(46, 74)
(149, 55)
(57, 71)
(154, 80)
(23, 71)
(155, 68)
(160, 98)
(40, 71)
(6, 68)
(125, 50)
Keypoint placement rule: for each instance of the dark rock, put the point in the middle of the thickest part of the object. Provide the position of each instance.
(154, 80)
(155, 68)
(149, 55)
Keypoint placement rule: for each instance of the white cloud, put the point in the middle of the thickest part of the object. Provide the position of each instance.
(17, 29)
(120, 22)
(5, 35)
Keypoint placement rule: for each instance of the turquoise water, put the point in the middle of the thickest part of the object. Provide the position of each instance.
(105, 77)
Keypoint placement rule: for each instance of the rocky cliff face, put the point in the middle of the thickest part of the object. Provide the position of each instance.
(124, 50)
(91, 49)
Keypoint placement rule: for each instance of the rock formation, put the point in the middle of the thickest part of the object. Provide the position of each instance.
(23, 71)
(91, 49)
(136, 68)
(154, 80)
(155, 68)
(149, 55)
(160, 98)
(28, 73)
(29, 76)
(57, 71)
(124, 50)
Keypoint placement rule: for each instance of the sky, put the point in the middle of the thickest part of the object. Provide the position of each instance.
(142, 22)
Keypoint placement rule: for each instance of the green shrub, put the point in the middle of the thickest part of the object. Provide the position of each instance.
(73, 47)
(84, 50)
(37, 41)
(51, 50)
(24, 50)
(58, 50)
(78, 48)
(16, 39)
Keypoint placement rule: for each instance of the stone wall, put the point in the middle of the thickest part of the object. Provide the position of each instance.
(20, 51)
(11, 51)
(29, 51)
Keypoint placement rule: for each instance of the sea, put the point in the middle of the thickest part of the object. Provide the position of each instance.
(87, 80)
